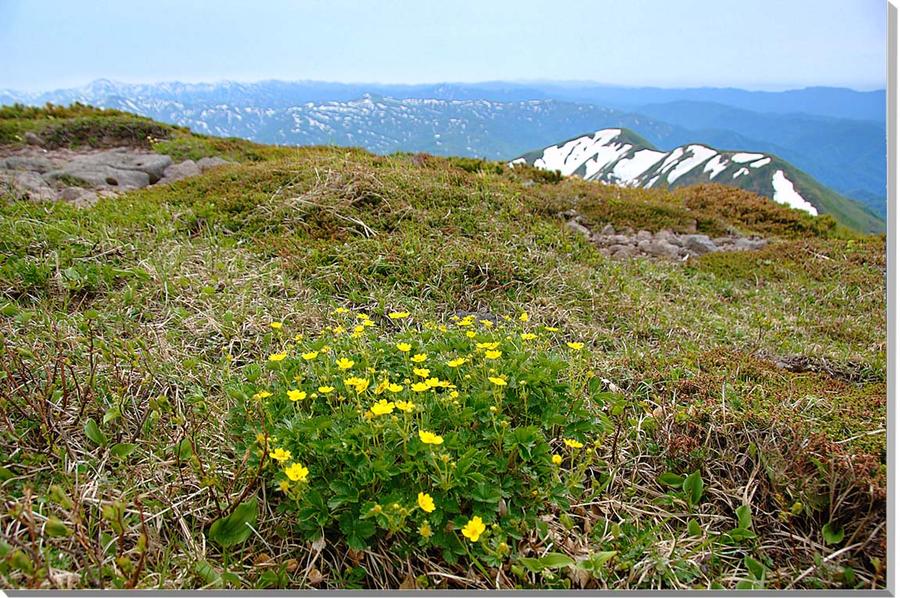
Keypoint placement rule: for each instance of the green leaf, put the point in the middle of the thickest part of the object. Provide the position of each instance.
(833, 534)
(671, 479)
(235, 528)
(551, 560)
(756, 569)
(694, 528)
(182, 449)
(693, 488)
(111, 414)
(93, 432)
(122, 449)
(594, 563)
(744, 517)
(208, 574)
(55, 528)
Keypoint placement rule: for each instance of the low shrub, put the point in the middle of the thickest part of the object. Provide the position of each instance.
(452, 437)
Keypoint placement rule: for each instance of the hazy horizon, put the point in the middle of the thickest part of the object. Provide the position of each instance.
(50, 44)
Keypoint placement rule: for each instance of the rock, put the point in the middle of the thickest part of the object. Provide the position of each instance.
(27, 185)
(79, 197)
(568, 214)
(622, 250)
(212, 162)
(658, 247)
(154, 165)
(179, 171)
(32, 139)
(745, 244)
(644, 235)
(33, 163)
(99, 175)
(608, 230)
(699, 244)
(579, 228)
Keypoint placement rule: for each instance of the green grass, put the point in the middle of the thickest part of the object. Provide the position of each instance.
(143, 311)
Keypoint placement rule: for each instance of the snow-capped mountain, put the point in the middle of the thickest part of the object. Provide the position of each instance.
(621, 157)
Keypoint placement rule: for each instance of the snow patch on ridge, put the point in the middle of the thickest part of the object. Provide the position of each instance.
(786, 194)
(699, 155)
(742, 157)
(594, 152)
(715, 166)
(760, 163)
(627, 170)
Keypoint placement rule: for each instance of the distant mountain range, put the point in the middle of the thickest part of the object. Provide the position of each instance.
(836, 135)
(621, 157)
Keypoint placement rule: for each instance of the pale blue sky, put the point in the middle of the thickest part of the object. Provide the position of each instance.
(756, 44)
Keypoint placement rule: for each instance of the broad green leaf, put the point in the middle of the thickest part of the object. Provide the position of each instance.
(671, 479)
(55, 528)
(235, 528)
(694, 528)
(551, 560)
(744, 517)
(111, 414)
(756, 569)
(93, 432)
(122, 449)
(693, 488)
(182, 449)
(833, 534)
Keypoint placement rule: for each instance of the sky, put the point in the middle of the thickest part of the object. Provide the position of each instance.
(760, 44)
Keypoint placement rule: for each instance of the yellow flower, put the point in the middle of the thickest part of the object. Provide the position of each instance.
(296, 395)
(492, 354)
(454, 394)
(263, 394)
(557, 459)
(470, 333)
(527, 336)
(326, 389)
(572, 443)
(551, 329)
(433, 382)
(430, 438)
(362, 316)
(344, 364)
(382, 386)
(276, 325)
(280, 455)
(497, 381)
(277, 356)
(425, 530)
(310, 356)
(325, 349)
(284, 485)
(422, 372)
(575, 346)
(382, 407)
(395, 388)
(358, 329)
(405, 405)
(420, 387)
(368, 323)
(486, 323)
(419, 357)
(523, 317)
(404, 347)
(474, 528)
(455, 363)
(338, 330)
(296, 472)
(341, 310)
(398, 315)
(426, 503)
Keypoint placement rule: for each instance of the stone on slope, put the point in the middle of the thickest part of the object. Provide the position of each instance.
(99, 175)
(33, 163)
(699, 244)
(179, 171)
(27, 184)
(212, 162)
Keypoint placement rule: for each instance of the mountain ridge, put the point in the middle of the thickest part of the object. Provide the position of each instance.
(622, 157)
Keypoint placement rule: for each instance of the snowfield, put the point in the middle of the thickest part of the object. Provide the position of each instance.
(786, 194)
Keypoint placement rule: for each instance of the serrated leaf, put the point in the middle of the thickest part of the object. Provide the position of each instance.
(93, 432)
(744, 517)
(671, 479)
(832, 534)
(235, 528)
(551, 560)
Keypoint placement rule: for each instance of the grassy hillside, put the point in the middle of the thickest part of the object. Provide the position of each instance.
(718, 423)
